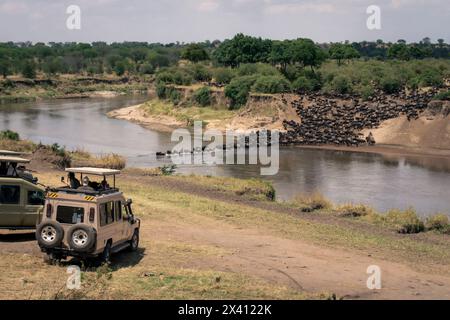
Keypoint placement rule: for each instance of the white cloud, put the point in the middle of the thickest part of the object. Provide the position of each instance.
(208, 6)
(13, 7)
(296, 8)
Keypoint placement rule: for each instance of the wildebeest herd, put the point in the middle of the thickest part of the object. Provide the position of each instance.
(339, 119)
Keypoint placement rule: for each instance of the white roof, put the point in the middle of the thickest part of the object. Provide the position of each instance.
(94, 171)
(10, 153)
(13, 159)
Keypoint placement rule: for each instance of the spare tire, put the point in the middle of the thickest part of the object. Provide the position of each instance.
(49, 234)
(81, 238)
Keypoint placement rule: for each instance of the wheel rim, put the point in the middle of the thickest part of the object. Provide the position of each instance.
(48, 234)
(80, 238)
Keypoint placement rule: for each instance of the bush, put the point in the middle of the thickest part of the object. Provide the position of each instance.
(9, 135)
(166, 92)
(257, 68)
(223, 75)
(439, 222)
(238, 90)
(341, 84)
(271, 84)
(405, 221)
(366, 92)
(390, 84)
(303, 84)
(203, 97)
(200, 73)
(444, 95)
(312, 202)
(354, 211)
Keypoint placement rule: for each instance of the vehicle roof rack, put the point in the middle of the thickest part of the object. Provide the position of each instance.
(10, 153)
(13, 159)
(94, 171)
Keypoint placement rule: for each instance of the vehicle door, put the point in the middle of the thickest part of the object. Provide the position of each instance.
(34, 205)
(11, 205)
(107, 224)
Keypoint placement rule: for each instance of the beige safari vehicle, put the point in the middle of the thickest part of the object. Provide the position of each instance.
(21, 198)
(86, 221)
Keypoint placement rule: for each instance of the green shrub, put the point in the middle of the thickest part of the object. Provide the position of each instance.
(390, 84)
(257, 68)
(341, 84)
(223, 75)
(203, 96)
(405, 221)
(271, 84)
(9, 135)
(431, 78)
(167, 92)
(444, 95)
(238, 90)
(366, 92)
(438, 222)
(201, 73)
(303, 84)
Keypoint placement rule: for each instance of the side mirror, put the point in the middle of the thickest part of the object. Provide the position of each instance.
(129, 201)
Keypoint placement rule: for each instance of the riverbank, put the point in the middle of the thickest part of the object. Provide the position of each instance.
(223, 238)
(18, 89)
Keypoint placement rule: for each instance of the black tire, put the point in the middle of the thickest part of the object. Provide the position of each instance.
(49, 234)
(134, 242)
(106, 255)
(81, 238)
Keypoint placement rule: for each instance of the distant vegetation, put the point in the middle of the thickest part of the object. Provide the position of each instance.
(242, 64)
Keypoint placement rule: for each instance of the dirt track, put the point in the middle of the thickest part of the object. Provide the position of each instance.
(252, 251)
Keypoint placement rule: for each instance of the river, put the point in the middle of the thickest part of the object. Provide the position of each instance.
(383, 182)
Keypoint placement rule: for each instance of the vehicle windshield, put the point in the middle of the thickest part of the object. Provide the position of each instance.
(70, 215)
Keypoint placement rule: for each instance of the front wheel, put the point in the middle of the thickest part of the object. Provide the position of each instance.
(134, 242)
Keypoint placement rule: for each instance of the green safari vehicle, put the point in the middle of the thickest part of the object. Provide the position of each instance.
(21, 198)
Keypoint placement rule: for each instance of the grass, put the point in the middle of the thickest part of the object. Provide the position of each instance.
(188, 115)
(182, 206)
(111, 161)
(312, 202)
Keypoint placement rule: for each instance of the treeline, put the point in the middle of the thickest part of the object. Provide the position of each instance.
(53, 58)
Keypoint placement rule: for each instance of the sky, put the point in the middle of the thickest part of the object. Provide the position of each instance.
(187, 21)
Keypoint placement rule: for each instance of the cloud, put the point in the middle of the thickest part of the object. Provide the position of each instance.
(296, 8)
(208, 6)
(13, 7)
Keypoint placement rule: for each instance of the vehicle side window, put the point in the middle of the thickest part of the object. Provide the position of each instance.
(35, 198)
(9, 194)
(118, 210)
(106, 213)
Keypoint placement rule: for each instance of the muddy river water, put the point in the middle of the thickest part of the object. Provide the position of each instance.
(383, 182)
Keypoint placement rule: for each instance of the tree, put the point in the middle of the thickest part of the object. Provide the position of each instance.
(306, 53)
(339, 52)
(5, 68)
(280, 54)
(29, 70)
(243, 49)
(195, 53)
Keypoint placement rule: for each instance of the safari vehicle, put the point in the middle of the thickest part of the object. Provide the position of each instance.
(91, 221)
(21, 198)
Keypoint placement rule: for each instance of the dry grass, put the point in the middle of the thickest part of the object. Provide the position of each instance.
(19, 146)
(354, 211)
(403, 221)
(439, 223)
(312, 201)
(110, 161)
